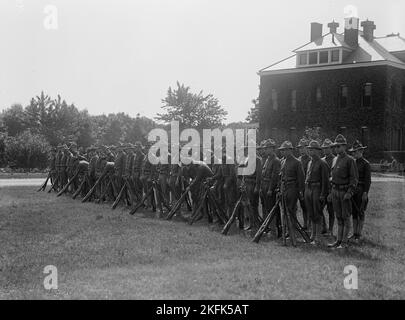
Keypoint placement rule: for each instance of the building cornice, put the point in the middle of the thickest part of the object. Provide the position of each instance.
(333, 67)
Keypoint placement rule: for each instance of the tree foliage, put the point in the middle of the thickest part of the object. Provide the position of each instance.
(191, 110)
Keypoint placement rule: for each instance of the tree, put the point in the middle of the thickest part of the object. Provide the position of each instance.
(191, 110)
(27, 150)
(253, 114)
(14, 119)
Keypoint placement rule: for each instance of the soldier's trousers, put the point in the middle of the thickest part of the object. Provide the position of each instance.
(175, 190)
(312, 203)
(164, 186)
(253, 201)
(146, 184)
(331, 213)
(229, 190)
(138, 188)
(357, 199)
(291, 195)
(343, 211)
(268, 203)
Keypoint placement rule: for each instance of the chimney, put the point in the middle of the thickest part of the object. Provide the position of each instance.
(368, 30)
(333, 26)
(316, 30)
(352, 31)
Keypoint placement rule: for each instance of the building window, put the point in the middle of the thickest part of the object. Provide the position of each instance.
(303, 59)
(294, 100)
(367, 91)
(343, 96)
(313, 58)
(274, 99)
(323, 56)
(318, 95)
(335, 56)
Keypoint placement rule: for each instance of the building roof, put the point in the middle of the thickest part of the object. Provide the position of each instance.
(328, 41)
(380, 49)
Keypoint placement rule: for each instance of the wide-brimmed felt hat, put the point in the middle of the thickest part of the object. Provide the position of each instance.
(327, 144)
(303, 143)
(314, 145)
(340, 140)
(268, 143)
(357, 146)
(286, 145)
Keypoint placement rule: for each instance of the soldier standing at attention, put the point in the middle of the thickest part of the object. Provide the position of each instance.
(360, 198)
(344, 183)
(252, 183)
(93, 158)
(270, 180)
(316, 188)
(52, 165)
(292, 179)
(64, 162)
(328, 158)
(228, 175)
(137, 168)
(119, 165)
(304, 159)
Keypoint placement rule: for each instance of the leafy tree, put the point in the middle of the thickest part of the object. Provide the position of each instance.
(191, 110)
(253, 114)
(14, 119)
(27, 150)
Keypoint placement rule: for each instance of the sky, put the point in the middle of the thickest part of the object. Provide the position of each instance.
(111, 56)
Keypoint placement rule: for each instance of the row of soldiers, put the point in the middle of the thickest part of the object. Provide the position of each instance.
(324, 176)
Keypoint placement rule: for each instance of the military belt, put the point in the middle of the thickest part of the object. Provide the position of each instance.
(313, 184)
(340, 186)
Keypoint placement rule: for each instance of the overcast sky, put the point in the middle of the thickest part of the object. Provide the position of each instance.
(121, 55)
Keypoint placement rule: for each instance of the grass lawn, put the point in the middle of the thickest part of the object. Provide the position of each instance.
(105, 254)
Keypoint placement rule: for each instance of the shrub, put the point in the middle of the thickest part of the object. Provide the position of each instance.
(27, 150)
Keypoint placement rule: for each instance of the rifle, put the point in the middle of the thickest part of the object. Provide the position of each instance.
(179, 202)
(89, 194)
(68, 184)
(54, 184)
(43, 186)
(267, 221)
(232, 218)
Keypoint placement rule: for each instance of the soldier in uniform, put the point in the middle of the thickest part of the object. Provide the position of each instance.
(129, 164)
(292, 178)
(119, 165)
(73, 163)
(217, 178)
(328, 158)
(360, 198)
(270, 181)
(163, 180)
(58, 166)
(228, 177)
(252, 183)
(304, 159)
(52, 165)
(146, 176)
(137, 168)
(63, 165)
(344, 183)
(316, 188)
(93, 158)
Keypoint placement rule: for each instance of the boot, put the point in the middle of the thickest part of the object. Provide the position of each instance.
(360, 228)
(338, 241)
(324, 228)
(355, 228)
(315, 233)
(331, 224)
(346, 229)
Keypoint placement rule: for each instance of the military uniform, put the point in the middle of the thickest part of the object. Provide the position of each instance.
(252, 183)
(137, 169)
(269, 183)
(119, 165)
(344, 183)
(304, 159)
(228, 176)
(329, 207)
(316, 189)
(292, 179)
(360, 198)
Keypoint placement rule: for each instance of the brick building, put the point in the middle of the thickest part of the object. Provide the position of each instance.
(351, 83)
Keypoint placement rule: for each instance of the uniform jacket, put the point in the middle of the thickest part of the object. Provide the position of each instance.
(318, 172)
(364, 171)
(292, 173)
(344, 172)
(271, 171)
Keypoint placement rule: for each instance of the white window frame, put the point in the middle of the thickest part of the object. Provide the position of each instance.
(330, 62)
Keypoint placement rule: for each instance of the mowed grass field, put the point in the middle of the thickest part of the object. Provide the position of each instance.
(105, 254)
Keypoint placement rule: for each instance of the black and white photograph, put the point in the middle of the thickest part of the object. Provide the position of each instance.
(218, 153)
